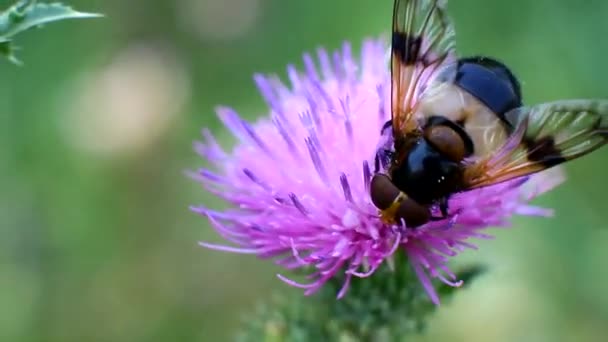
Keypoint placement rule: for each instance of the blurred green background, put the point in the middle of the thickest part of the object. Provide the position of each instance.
(97, 242)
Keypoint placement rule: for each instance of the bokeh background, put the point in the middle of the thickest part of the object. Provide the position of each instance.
(96, 239)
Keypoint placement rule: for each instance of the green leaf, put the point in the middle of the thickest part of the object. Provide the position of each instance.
(28, 14)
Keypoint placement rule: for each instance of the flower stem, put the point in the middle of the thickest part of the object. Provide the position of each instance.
(390, 306)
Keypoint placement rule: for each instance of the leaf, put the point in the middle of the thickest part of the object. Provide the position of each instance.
(28, 14)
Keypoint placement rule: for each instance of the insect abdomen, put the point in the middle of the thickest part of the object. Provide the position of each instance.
(491, 82)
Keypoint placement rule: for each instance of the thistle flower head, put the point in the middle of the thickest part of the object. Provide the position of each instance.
(298, 180)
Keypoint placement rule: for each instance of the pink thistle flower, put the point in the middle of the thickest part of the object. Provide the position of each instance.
(298, 180)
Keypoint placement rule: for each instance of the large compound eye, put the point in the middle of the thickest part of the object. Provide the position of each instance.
(413, 213)
(447, 141)
(382, 191)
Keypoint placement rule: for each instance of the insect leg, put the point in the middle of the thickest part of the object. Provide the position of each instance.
(377, 162)
(443, 207)
(386, 126)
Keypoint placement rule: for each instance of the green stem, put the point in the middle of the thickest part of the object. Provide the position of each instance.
(390, 305)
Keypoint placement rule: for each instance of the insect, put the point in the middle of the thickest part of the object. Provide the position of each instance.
(458, 124)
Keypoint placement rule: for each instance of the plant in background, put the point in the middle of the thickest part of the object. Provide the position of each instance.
(321, 184)
(28, 14)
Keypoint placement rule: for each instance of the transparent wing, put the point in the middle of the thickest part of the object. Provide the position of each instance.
(422, 42)
(545, 135)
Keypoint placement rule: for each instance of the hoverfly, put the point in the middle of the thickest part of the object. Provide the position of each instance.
(458, 124)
